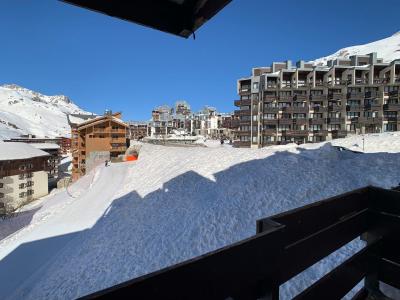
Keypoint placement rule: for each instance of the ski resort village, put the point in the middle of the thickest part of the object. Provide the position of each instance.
(289, 188)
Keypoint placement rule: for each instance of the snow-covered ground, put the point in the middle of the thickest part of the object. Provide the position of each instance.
(173, 204)
(23, 111)
(387, 48)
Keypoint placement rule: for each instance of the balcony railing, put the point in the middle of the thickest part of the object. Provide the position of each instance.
(285, 245)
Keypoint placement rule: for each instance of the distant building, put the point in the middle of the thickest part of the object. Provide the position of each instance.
(138, 130)
(23, 175)
(63, 142)
(305, 103)
(95, 140)
(53, 162)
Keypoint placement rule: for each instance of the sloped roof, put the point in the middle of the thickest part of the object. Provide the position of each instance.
(45, 146)
(179, 17)
(98, 120)
(17, 150)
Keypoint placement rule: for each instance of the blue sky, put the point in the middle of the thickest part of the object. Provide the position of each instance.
(101, 62)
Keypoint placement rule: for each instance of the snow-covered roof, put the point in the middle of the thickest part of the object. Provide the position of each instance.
(45, 146)
(16, 150)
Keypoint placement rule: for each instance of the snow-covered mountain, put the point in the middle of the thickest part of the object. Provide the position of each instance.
(388, 49)
(23, 111)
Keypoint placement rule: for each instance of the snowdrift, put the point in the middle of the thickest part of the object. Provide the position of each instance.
(177, 203)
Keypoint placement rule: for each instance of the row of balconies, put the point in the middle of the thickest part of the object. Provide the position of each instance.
(336, 82)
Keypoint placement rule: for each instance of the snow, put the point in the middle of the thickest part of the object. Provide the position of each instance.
(27, 112)
(175, 203)
(45, 146)
(387, 48)
(14, 150)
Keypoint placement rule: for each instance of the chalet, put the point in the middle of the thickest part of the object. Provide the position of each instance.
(97, 140)
(23, 175)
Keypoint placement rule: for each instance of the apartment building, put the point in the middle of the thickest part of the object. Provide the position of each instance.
(63, 142)
(305, 103)
(23, 175)
(96, 140)
(138, 129)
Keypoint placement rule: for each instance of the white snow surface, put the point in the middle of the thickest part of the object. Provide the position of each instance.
(15, 150)
(130, 219)
(387, 48)
(23, 111)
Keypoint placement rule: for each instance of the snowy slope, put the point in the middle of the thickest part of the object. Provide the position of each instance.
(388, 49)
(130, 219)
(23, 111)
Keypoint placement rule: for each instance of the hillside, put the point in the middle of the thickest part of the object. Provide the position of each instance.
(23, 111)
(130, 219)
(388, 49)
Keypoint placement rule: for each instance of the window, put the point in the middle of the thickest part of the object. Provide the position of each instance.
(283, 127)
(390, 127)
(299, 116)
(352, 114)
(29, 175)
(255, 85)
(22, 195)
(29, 183)
(21, 185)
(269, 116)
(245, 138)
(22, 168)
(1, 185)
(334, 126)
(29, 166)
(1, 195)
(30, 192)
(21, 176)
(315, 127)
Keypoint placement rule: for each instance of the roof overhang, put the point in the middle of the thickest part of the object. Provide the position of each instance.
(179, 17)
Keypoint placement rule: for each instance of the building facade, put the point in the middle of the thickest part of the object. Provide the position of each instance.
(102, 135)
(23, 175)
(305, 103)
(138, 130)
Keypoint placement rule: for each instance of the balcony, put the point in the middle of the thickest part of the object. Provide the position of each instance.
(270, 98)
(239, 103)
(271, 85)
(300, 97)
(370, 120)
(300, 121)
(269, 109)
(286, 121)
(319, 108)
(373, 94)
(361, 81)
(289, 243)
(118, 149)
(334, 107)
(269, 131)
(318, 97)
(299, 109)
(336, 96)
(339, 133)
(392, 107)
(355, 96)
(357, 108)
(242, 112)
(335, 120)
(317, 121)
(286, 98)
(270, 121)
(295, 132)
(319, 132)
(391, 118)
(319, 83)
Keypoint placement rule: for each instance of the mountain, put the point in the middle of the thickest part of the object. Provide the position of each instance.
(23, 111)
(388, 49)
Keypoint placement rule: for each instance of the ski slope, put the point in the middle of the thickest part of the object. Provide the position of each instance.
(176, 203)
(387, 48)
(23, 111)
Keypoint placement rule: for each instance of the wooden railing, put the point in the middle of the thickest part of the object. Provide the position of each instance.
(284, 246)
